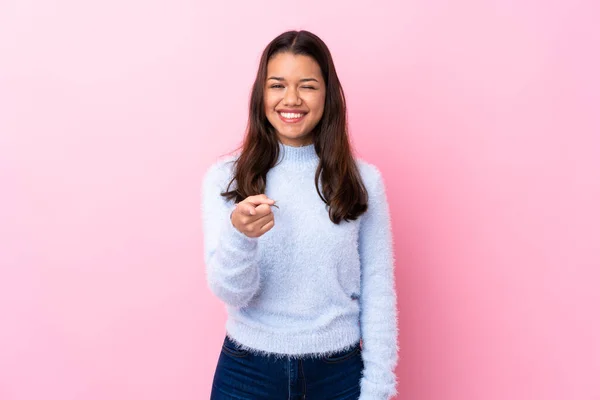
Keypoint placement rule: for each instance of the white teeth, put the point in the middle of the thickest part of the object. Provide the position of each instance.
(291, 115)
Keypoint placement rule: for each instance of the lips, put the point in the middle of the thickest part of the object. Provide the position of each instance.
(291, 117)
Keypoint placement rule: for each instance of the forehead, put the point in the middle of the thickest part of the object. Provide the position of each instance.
(291, 66)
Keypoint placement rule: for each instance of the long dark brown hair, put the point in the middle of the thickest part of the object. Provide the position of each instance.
(343, 189)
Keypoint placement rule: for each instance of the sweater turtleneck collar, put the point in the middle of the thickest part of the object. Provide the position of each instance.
(293, 154)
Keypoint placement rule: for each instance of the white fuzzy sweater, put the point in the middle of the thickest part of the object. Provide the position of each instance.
(308, 286)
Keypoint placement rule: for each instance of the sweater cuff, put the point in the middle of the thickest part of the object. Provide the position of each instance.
(376, 391)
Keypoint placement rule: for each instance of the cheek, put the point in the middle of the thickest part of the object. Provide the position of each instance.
(270, 102)
(319, 105)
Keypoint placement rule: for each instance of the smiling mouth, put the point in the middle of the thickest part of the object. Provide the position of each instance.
(290, 117)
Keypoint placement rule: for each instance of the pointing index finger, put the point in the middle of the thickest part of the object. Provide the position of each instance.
(259, 199)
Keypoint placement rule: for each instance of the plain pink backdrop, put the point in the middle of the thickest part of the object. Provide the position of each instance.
(482, 115)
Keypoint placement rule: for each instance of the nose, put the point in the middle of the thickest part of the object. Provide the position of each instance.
(291, 97)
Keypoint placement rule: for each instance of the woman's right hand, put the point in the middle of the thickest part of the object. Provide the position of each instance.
(253, 216)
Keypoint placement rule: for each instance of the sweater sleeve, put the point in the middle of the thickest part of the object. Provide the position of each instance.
(230, 256)
(378, 314)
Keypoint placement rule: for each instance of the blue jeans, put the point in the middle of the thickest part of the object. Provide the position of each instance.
(241, 375)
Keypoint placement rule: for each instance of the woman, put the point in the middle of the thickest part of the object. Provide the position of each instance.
(298, 243)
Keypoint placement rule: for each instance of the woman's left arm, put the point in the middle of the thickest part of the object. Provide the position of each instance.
(378, 315)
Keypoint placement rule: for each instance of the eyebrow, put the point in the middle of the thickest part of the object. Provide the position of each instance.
(279, 78)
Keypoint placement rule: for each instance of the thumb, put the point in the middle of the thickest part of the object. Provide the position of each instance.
(246, 208)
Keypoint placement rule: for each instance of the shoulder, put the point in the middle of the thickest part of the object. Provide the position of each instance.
(376, 191)
(220, 172)
(370, 174)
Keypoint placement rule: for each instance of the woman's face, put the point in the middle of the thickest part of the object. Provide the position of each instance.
(294, 97)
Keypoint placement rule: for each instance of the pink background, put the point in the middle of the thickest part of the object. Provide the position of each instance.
(482, 115)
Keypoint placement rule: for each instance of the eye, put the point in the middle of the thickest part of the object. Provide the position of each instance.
(309, 87)
(276, 86)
